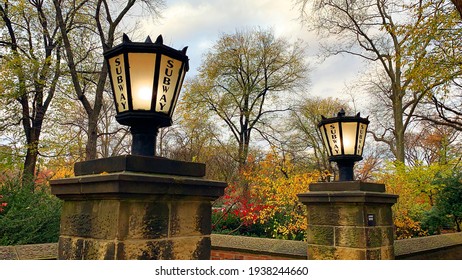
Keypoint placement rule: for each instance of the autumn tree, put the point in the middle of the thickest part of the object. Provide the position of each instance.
(397, 40)
(99, 22)
(244, 80)
(432, 144)
(30, 69)
(443, 108)
(305, 138)
(197, 139)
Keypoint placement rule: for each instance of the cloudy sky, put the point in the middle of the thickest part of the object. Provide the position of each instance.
(199, 23)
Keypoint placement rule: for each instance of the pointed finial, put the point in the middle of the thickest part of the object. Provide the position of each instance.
(358, 115)
(125, 38)
(159, 40)
(322, 117)
(184, 50)
(341, 113)
(148, 40)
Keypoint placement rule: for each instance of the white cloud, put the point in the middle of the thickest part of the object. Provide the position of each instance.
(199, 23)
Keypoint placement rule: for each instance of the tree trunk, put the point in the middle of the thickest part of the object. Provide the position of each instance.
(399, 128)
(458, 4)
(30, 162)
(90, 148)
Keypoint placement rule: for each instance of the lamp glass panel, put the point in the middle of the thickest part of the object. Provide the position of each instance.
(361, 138)
(324, 140)
(183, 72)
(142, 79)
(119, 82)
(168, 79)
(349, 137)
(333, 136)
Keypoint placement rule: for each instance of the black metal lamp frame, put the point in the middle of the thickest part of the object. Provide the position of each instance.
(345, 162)
(144, 124)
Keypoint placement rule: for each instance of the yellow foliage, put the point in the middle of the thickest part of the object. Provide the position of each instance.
(276, 183)
(416, 186)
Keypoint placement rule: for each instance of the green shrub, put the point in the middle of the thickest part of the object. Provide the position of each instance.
(30, 217)
(434, 221)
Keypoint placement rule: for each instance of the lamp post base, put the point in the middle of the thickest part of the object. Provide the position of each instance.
(144, 140)
(345, 168)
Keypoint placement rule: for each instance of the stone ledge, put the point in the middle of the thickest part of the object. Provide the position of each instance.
(415, 246)
(263, 246)
(47, 251)
(133, 183)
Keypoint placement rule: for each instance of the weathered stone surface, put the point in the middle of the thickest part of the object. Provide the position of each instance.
(254, 245)
(344, 253)
(387, 252)
(190, 218)
(374, 254)
(352, 237)
(8, 253)
(70, 248)
(319, 252)
(29, 252)
(145, 250)
(145, 219)
(98, 249)
(320, 235)
(190, 248)
(94, 218)
(374, 237)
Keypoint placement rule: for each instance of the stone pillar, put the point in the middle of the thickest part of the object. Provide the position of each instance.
(349, 221)
(135, 207)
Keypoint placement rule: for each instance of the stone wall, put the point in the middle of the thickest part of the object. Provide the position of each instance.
(439, 247)
(225, 247)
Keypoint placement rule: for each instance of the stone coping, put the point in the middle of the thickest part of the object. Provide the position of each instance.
(253, 245)
(47, 251)
(415, 246)
(262, 246)
(134, 183)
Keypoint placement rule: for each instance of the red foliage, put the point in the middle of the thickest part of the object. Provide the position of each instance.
(2, 204)
(245, 206)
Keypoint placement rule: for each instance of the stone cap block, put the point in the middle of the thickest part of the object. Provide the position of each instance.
(347, 197)
(346, 186)
(142, 164)
(135, 184)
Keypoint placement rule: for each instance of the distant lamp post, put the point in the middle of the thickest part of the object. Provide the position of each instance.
(146, 80)
(343, 137)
